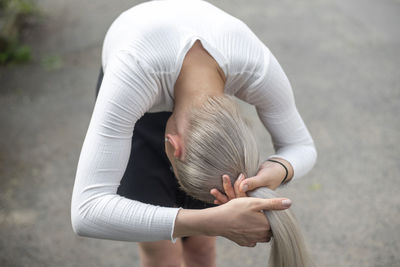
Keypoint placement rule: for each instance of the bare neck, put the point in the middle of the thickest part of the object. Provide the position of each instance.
(200, 77)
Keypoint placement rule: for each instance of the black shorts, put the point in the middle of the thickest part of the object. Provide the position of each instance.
(148, 177)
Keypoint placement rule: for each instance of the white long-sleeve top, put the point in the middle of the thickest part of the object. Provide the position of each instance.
(142, 55)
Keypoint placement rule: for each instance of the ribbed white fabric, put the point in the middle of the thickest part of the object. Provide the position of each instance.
(142, 56)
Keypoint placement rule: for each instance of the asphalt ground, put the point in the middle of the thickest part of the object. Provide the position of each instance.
(343, 60)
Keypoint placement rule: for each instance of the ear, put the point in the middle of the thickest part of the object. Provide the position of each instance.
(176, 142)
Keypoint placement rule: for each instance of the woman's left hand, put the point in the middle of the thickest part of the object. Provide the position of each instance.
(269, 175)
(231, 192)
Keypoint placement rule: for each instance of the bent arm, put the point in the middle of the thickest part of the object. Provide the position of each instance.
(273, 97)
(238, 220)
(96, 209)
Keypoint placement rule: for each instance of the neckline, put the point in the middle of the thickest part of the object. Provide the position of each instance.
(214, 53)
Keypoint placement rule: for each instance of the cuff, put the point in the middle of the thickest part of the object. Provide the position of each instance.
(173, 240)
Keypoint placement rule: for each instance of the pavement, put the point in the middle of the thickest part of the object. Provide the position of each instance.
(343, 60)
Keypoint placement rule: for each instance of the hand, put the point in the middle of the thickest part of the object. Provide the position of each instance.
(230, 192)
(270, 174)
(242, 221)
(239, 220)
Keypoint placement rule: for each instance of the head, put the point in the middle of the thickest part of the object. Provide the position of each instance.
(217, 141)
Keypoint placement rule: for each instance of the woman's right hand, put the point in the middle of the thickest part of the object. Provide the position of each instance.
(242, 220)
(239, 220)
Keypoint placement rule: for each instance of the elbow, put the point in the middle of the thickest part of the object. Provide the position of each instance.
(76, 219)
(306, 160)
(78, 229)
(82, 225)
(82, 220)
(309, 157)
(314, 155)
(78, 225)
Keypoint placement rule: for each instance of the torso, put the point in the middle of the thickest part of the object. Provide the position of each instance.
(159, 35)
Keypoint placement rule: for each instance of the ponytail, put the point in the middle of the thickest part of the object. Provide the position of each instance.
(287, 244)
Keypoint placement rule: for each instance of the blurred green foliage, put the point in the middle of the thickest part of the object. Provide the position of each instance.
(15, 53)
(24, 7)
(13, 17)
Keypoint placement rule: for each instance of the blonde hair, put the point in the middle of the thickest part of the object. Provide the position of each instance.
(218, 141)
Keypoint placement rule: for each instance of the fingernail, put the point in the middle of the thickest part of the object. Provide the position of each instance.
(240, 176)
(224, 179)
(286, 203)
(245, 187)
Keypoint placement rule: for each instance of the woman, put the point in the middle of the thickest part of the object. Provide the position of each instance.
(164, 56)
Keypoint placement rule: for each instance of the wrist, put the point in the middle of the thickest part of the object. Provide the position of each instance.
(281, 171)
(194, 222)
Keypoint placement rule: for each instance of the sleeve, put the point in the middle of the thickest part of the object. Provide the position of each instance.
(127, 92)
(273, 98)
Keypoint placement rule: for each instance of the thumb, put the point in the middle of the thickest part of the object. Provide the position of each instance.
(250, 184)
(273, 204)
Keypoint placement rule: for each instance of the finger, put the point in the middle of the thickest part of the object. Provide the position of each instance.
(272, 204)
(238, 192)
(251, 183)
(228, 187)
(217, 202)
(268, 226)
(219, 196)
(237, 183)
(252, 245)
(266, 240)
(269, 234)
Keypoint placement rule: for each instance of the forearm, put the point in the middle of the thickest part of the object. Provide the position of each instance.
(302, 157)
(239, 220)
(194, 222)
(117, 218)
(275, 105)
